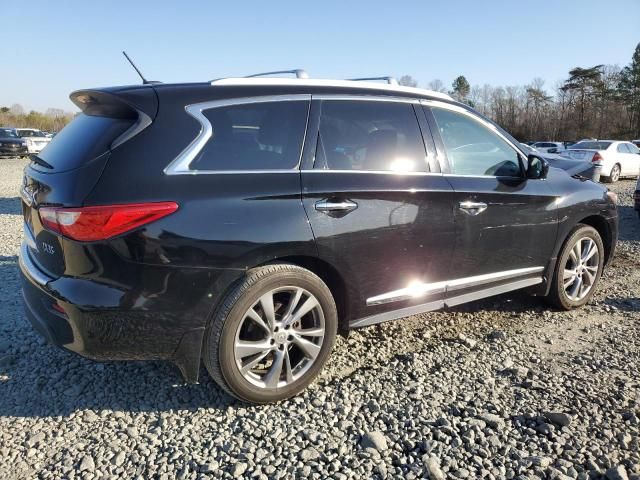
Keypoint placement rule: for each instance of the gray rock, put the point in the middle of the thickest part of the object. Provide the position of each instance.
(494, 421)
(375, 440)
(119, 458)
(433, 469)
(239, 469)
(309, 454)
(617, 473)
(36, 439)
(87, 464)
(558, 418)
(542, 462)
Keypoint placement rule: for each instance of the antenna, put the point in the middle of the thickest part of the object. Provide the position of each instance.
(144, 80)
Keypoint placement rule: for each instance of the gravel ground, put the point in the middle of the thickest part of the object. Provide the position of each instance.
(502, 388)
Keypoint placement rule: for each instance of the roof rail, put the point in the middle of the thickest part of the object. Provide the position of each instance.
(390, 80)
(299, 73)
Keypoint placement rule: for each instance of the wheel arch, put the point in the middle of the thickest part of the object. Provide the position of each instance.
(602, 227)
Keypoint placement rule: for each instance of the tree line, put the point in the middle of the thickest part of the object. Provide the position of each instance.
(52, 120)
(600, 101)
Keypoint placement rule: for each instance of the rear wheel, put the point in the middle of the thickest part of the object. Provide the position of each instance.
(614, 175)
(272, 334)
(578, 269)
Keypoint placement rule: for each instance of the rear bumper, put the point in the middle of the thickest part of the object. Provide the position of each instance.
(102, 322)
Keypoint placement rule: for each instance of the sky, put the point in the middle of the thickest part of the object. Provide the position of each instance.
(51, 48)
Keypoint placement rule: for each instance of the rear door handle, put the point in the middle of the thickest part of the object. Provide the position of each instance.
(472, 208)
(329, 206)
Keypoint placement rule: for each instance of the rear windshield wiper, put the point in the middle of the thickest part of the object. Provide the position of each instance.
(36, 159)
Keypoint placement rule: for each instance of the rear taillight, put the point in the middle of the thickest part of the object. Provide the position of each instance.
(88, 224)
(596, 158)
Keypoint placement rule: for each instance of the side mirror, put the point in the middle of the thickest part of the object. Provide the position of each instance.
(552, 150)
(537, 167)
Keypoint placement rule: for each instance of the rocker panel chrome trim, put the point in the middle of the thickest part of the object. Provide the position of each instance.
(450, 302)
(396, 314)
(428, 289)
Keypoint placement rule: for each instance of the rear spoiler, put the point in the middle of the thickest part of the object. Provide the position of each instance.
(139, 104)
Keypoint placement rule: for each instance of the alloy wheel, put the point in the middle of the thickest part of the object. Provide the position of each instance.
(581, 269)
(279, 337)
(615, 173)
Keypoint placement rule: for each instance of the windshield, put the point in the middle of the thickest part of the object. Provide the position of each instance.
(7, 133)
(30, 133)
(590, 146)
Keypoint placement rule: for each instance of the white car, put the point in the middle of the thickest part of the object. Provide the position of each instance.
(617, 159)
(36, 140)
(549, 147)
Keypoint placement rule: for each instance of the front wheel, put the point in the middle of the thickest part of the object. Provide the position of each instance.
(272, 334)
(578, 269)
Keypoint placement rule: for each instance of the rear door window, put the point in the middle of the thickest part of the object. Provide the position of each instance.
(254, 136)
(622, 148)
(370, 136)
(84, 139)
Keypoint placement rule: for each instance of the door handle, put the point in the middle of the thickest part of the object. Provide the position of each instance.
(329, 206)
(472, 208)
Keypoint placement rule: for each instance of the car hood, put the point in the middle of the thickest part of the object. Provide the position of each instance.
(572, 167)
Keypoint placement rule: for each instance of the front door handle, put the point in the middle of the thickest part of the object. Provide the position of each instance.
(329, 206)
(473, 208)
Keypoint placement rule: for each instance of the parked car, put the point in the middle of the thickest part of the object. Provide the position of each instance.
(616, 159)
(35, 139)
(549, 147)
(245, 221)
(572, 167)
(10, 144)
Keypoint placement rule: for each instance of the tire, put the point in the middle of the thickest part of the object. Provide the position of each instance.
(231, 326)
(614, 175)
(560, 295)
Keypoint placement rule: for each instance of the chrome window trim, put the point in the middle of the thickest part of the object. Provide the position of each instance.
(420, 290)
(375, 172)
(181, 164)
(483, 122)
(363, 97)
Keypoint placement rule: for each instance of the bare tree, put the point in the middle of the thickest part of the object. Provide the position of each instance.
(407, 81)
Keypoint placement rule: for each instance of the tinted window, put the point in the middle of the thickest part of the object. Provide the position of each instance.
(633, 149)
(85, 138)
(590, 145)
(473, 149)
(375, 136)
(256, 136)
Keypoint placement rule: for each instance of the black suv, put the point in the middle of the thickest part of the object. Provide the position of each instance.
(246, 221)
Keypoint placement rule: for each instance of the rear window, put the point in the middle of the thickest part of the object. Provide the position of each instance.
(256, 136)
(590, 146)
(84, 139)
